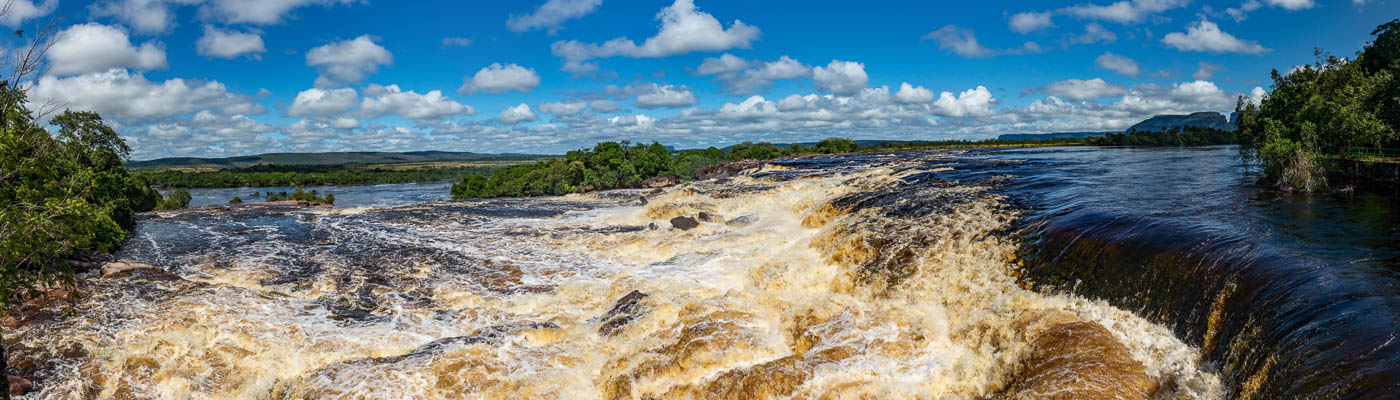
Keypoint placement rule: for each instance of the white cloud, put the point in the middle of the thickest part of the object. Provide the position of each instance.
(1207, 36)
(95, 47)
(564, 107)
(1240, 13)
(347, 61)
(725, 63)
(737, 80)
(551, 15)
(516, 114)
(1093, 33)
(1027, 22)
(972, 102)
(1083, 89)
(455, 41)
(323, 102)
(684, 29)
(638, 120)
(605, 106)
(121, 94)
(1122, 65)
(1257, 95)
(146, 16)
(1124, 12)
(841, 77)
(24, 10)
(1206, 71)
(1293, 5)
(497, 78)
(909, 94)
(260, 12)
(228, 44)
(391, 100)
(960, 41)
(667, 96)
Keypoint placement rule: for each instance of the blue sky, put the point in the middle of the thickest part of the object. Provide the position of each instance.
(232, 77)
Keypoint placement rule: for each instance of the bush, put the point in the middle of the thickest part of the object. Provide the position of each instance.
(235, 200)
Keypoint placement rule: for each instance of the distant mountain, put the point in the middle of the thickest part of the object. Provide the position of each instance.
(1162, 123)
(354, 157)
(1044, 136)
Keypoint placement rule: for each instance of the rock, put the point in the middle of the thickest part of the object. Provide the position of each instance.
(642, 200)
(728, 169)
(651, 226)
(684, 223)
(627, 309)
(662, 181)
(741, 221)
(113, 270)
(19, 386)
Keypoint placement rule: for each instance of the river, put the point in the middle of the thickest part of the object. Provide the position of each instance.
(1028, 273)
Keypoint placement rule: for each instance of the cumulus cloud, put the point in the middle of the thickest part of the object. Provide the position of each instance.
(1257, 95)
(667, 96)
(1027, 22)
(563, 107)
(1122, 65)
(1093, 33)
(391, 100)
(157, 16)
(24, 10)
(516, 114)
(1124, 12)
(840, 77)
(1239, 14)
(684, 29)
(1206, 71)
(1293, 5)
(959, 41)
(228, 44)
(551, 15)
(909, 94)
(1206, 36)
(323, 102)
(498, 78)
(740, 77)
(95, 47)
(972, 102)
(347, 61)
(1079, 89)
(605, 106)
(122, 94)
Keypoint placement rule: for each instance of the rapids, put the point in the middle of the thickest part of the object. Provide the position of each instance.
(870, 276)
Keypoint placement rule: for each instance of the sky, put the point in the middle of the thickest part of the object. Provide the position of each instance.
(217, 78)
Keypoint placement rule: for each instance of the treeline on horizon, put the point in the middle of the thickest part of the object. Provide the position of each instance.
(1319, 116)
(307, 175)
(614, 165)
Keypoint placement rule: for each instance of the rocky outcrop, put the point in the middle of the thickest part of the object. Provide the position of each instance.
(684, 223)
(662, 181)
(1163, 123)
(627, 309)
(114, 270)
(728, 169)
(19, 386)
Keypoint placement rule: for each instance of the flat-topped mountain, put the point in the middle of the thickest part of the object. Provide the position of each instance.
(1162, 123)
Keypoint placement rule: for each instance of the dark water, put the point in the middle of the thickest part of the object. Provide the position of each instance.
(1290, 296)
(349, 196)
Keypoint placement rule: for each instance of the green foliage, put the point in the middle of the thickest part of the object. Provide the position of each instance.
(1315, 113)
(61, 194)
(306, 175)
(177, 200)
(836, 146)
(235, 200)
(1177, 136)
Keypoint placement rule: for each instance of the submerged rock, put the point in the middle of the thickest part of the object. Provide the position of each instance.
(19, 386)
(728, 169)
(113, 270)
(623, 312)
(1080, 360)
(741, 221)
(684, 223)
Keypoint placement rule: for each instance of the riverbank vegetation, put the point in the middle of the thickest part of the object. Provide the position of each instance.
(1320, 115)
(1174, 137)
(315, 175)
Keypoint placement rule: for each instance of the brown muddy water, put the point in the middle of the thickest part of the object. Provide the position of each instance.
(948, 275)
